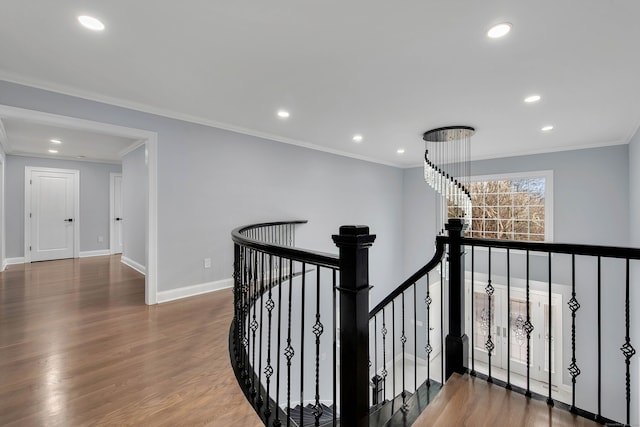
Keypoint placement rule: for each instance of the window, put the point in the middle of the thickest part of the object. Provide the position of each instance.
(512, 207)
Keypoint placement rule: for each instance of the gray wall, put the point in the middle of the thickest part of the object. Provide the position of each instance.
(590, 205)
(94, 201)
(211, 180)
(634, 189)
(134, 206)
(419, 220)
(590, 189)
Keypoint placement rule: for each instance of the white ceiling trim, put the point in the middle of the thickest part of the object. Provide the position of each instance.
(4, 141)
(144, 108)
(72, 158)
(544, 151)
(131, 147)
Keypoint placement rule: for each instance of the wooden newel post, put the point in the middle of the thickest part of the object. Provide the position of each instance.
(354, 242)
(456, 342)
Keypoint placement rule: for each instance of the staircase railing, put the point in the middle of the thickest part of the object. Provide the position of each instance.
(288, 300)
(567, 305)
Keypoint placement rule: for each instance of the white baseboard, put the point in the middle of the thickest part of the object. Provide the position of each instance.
(189, 291)
(131, 263)
(100, 252)
(11, 261)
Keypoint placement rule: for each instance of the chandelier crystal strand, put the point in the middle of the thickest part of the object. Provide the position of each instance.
(447, 170)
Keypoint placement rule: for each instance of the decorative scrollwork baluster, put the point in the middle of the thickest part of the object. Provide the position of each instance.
(574, 305)
(428, 348)
(627, 349)
(489, 345)
(318, 328)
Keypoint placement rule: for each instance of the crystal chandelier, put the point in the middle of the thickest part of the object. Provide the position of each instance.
(447, 170)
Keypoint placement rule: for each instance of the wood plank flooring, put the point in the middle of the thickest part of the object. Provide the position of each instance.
(469, 401)
(79, 347)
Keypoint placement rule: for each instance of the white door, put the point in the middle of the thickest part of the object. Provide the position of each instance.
(51, 208)
(116, 213)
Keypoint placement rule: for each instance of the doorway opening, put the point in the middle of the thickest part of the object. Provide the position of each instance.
(146, 138)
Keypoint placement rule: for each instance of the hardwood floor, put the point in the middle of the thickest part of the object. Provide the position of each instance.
(469, 401)
(79, 347)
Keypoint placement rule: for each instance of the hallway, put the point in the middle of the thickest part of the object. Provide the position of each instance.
(79, 347)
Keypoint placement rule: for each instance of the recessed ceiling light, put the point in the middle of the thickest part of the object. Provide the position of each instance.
(283, 114)
(499, 30)
(400, 151)
(55, 141)
(357, 138)
(53, 151)
(91, 23)
(532, 98)
(80, 157)
(547, 128)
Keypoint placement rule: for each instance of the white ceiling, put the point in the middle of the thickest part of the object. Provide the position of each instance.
(34, 139)
(388, 70)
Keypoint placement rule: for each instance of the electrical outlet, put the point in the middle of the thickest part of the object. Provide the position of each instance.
(207, 263)
(100, 239)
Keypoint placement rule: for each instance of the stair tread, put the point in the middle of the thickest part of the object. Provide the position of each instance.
(415, 405)
(383, 413)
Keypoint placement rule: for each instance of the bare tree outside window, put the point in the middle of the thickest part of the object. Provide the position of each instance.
(510, 209)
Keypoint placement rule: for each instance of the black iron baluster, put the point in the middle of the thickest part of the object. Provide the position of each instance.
(528, 327)
(403, 340)
(245, 311)
(473, 315)
(335, 369)
(489, 345)
(599, 416)
(276, 422)
(627, 349)
(550, 399)
(428, 348)
(237, 294)
(415, 340)
(288, 352)
(376, 385)
(260, 400)
(254, 325)
(384, 356)
(268, 370)
(247, 340)
(393, 346)
(237, 300)
(318, 328)
(508, 386)
(442, 350)
(304, 277)
(573, 306)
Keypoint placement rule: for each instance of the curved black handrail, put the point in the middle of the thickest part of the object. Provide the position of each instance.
(440, 243)
(557, 248)
(304, 255)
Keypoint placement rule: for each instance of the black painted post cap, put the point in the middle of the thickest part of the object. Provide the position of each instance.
(354, 230)
(354, 235)
(454, 223)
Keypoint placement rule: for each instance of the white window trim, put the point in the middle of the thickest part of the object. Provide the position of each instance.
(548, 193)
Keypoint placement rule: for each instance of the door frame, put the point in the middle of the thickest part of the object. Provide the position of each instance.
(112, 236)
(3, 262)
(28, 170)
(150, 140)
